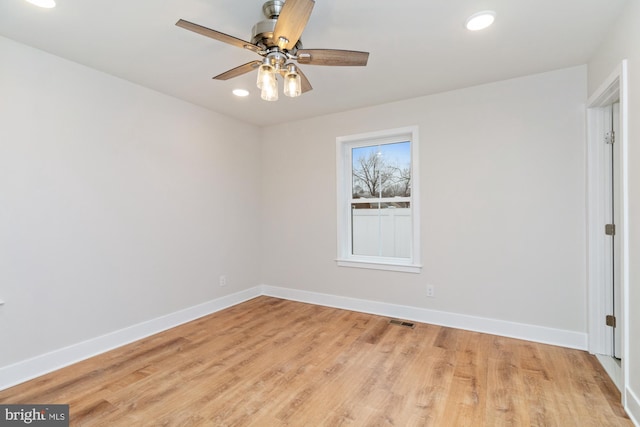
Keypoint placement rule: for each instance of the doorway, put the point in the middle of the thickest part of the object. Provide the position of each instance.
(607, 262)
(612, 209)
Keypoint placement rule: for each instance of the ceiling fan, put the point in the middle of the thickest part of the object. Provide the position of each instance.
(277, 40)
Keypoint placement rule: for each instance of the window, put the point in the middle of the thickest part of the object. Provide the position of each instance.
(378, 219)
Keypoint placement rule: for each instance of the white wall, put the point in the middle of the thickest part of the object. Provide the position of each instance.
(624, 42)
(502, 198)
(117, 204)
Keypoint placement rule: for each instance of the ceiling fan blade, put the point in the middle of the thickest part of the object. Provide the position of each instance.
(304, 82)
(217, 35)
(238, 71)
(291, 22)
(332, 57)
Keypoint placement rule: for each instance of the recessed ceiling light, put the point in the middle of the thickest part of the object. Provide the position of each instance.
(240, 92)
(480, 20)
(48, 4)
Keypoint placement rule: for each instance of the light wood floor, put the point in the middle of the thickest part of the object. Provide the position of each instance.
(271, 362)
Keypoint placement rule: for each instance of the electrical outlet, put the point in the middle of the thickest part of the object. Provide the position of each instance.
(431, 291)
(1, 302)
(223, 280)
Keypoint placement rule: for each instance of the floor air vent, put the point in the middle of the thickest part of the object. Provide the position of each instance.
(402, 323)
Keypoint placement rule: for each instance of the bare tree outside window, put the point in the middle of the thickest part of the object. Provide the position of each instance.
(382, 171)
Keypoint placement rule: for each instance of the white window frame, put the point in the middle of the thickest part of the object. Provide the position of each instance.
(344, 145)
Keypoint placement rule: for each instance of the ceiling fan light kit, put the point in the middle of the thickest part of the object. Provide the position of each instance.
(277, 40)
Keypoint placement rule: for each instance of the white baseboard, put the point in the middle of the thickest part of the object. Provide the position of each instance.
(31, 368)
(632, 406)
(504, 328)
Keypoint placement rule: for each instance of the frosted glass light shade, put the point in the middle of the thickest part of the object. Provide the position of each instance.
(265, 73)
(269, 90)
(292, 85)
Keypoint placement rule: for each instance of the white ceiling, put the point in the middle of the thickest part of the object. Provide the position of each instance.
(418, 47)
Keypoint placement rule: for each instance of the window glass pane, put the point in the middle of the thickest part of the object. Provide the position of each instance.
(381, 229)
(381, 170)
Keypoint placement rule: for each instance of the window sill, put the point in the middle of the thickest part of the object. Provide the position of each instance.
(377, 265)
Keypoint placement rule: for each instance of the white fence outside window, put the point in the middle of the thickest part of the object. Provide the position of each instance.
(382, 232)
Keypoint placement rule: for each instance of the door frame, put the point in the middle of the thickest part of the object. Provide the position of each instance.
(613, 89)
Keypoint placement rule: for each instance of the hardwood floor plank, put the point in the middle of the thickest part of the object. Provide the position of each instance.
(469, 379)
(272, 362)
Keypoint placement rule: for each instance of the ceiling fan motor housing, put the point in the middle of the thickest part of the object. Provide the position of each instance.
(262, 32)
(272, 8)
